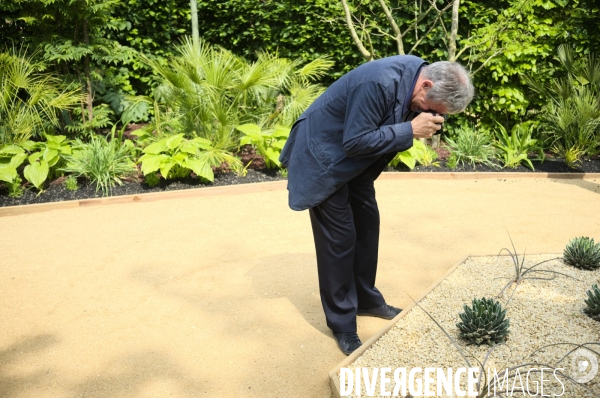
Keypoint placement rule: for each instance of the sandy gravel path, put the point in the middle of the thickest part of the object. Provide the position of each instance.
(217, 296)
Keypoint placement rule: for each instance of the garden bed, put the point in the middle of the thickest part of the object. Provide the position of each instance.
(56, 191)
(541, 312)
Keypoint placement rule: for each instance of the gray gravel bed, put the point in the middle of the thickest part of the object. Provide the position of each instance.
(541, 312)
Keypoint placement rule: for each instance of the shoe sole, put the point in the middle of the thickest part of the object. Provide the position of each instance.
(377, 316)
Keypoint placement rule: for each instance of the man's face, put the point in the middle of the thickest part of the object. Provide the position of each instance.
(419, 103)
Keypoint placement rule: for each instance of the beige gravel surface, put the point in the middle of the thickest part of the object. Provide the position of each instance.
(217, 296)
(542, 313)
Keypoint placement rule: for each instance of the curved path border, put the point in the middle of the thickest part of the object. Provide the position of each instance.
(270, 186)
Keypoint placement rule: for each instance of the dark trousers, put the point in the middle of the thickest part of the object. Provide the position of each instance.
(346, 231)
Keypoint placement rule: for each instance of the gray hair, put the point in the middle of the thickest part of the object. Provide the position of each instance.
(452, 85)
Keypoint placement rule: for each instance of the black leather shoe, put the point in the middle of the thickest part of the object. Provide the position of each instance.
(386, 311)
(347, 341)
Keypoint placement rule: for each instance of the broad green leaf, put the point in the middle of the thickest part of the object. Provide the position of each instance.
(151, 162)
(34, 157)
(279, 144)
(180, 157)
(245, 140)
(36, 173)
(281, 131)
(273, 156)
(203, 143)
(201, 168)
(165, 167)
(11, 150)
(18, 159)
(31, 146)
(188, 147)
(7, 173)
(156, 148)
(174, 141)
(249, 129)
(407, 159)
(50, 156)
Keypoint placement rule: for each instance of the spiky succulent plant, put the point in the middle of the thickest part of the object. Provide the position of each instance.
(583, 253)
(484, 322)
(592, 308)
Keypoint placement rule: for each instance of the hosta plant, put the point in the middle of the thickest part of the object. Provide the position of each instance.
(44, 158)
(583, 253)
(411, 156)
(484, 322)
(592, 303)
(175, 157)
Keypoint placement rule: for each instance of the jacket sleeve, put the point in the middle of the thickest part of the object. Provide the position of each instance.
(364, 135)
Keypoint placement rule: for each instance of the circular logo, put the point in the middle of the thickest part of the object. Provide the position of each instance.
(584, 365)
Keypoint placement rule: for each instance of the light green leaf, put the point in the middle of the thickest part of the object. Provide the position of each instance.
(8, 173)
(150, 162)
(281, 131)
(174, 141)
(407, 159)
(36, 173)
(249, 129)
(18, 159)
(201, 168)
(203, 143)
(273, 156)
(31, 146)
(156, 148)
(34, 157)
(11, 150)
(165, 167)
(51, 156)
(188, 147)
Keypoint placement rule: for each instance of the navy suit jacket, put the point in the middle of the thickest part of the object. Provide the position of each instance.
(362, 116)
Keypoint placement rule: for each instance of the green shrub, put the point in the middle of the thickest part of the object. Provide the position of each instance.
(572, 114)
(471, 147)
(592, 308)
(583, 253)
(104, 163)
(484, 322)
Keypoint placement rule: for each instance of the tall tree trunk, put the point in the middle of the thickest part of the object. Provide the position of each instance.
(453, 32)
(195, 34)
(88, 79)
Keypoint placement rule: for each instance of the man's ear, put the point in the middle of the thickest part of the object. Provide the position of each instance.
(427, 84)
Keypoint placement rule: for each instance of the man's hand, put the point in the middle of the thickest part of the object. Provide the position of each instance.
(425, 125)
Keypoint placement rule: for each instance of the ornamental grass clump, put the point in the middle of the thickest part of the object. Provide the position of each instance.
(592, 308)
(583, 253)
(484, 322)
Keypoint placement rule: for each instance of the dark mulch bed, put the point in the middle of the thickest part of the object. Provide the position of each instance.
(57, 192)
